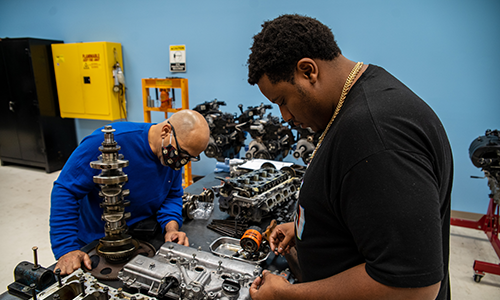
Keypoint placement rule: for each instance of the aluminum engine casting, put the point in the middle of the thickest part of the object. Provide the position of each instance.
(180, 272)
(83, 286)
(198, 206)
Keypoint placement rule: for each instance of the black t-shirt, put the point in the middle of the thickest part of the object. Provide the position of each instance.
(378, 190)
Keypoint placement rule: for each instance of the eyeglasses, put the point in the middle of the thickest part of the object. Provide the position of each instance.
(182, 151)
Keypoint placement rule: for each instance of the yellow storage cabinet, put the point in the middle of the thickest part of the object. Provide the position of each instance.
(85, 83)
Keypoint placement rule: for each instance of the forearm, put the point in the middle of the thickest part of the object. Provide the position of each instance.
(355, 283)
(63, 222)
(170, 211)
(171, 226)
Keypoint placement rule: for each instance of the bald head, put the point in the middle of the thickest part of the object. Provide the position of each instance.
(191, 129)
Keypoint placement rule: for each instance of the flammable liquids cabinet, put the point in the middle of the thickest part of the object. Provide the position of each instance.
(164, 102)
(86, 84)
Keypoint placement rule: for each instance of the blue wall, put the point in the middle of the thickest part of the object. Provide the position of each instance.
(445, 50)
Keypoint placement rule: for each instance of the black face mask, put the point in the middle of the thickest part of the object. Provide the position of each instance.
(171, 156)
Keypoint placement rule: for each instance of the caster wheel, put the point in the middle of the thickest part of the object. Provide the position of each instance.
(477, 278)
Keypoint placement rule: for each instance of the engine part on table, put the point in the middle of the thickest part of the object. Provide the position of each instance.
(198, 207)
(251, 239)
(180, 272)
(233, 166)
(225, 140)
(104, 270)
(231, 247)
(28, 275)
(255, 240)
(258, 193)
(116, 246)
(484, 153)
(306, 142)
(271, 139)
(231, 228)
(82, 285)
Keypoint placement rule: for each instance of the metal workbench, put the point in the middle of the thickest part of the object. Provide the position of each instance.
(196, 230)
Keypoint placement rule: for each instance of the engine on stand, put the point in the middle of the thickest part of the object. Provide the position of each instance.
(306, 142)
(225, 139)
(271, 139)
(484, 153)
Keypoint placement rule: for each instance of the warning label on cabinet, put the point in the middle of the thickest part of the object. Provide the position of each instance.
(91, 61)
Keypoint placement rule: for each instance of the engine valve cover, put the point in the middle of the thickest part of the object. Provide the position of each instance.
(180, 272)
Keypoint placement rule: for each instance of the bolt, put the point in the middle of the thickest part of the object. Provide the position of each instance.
(58, 275)
(35, 256)
(106, 292)
(33, 290)
(82, 284)
(219, 269)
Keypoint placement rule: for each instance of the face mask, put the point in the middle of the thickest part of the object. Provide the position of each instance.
(171, 157)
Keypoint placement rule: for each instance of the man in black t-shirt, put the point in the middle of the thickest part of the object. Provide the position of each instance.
(373, 215)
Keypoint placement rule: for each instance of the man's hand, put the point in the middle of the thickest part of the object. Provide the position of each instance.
(268, 286)
(71, 261)
(178, 237)
(282, 238)
(174, 235)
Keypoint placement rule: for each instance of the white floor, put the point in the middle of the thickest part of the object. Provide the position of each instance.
(24, 212)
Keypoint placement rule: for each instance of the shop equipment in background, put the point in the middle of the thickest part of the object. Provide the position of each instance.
(32, 131)
(485, 154)
(90, 81)
(163, 100)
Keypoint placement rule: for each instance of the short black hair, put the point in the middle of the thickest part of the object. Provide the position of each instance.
(286, 40)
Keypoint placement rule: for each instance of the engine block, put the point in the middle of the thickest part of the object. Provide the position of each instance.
(180, 272)
(225, 139)
(254, 195)
(84, 286)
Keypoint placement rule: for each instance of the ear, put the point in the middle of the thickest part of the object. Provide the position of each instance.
(165, 130)
(307, 69)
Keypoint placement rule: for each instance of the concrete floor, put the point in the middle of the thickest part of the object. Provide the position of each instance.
(24, 213)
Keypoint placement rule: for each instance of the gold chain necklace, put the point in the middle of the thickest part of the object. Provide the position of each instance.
(343, 95)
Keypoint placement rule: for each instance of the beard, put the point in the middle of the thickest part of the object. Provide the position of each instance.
(307, 100)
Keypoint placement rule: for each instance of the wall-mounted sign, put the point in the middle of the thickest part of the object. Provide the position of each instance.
(178, 58)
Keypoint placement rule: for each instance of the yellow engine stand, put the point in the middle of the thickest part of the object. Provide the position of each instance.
(167, 83)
